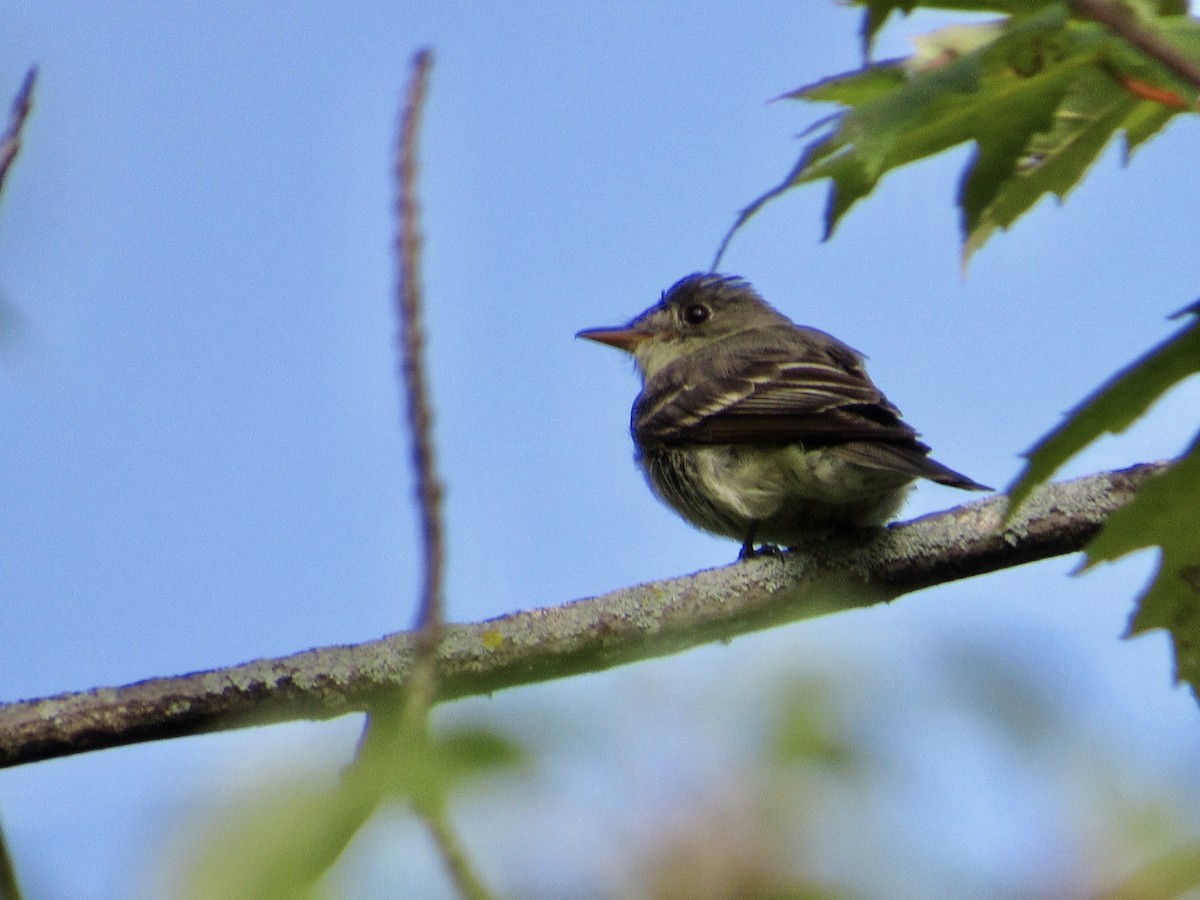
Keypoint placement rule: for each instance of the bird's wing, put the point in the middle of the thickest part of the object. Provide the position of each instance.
(759, 391)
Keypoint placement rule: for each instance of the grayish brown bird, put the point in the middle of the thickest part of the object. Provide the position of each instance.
(755, 428)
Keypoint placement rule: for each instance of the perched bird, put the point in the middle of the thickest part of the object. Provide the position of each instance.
(755, 428)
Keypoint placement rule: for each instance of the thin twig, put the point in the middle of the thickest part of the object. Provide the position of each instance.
(411, 729)
(1152, 44)
(411, 352)
(412, 361)
(422, 686)
(588, 635)
(11, 142)
(468, 884)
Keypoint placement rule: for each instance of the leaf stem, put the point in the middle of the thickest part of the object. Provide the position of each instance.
(467, 884)
(1152, 44)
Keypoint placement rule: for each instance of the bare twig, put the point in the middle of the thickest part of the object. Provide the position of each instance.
(11, 142)
(465, 880)
(587, 635)
(9, 146)
(412, 362)
(1121, 23)
(411, 340)
(408, 733)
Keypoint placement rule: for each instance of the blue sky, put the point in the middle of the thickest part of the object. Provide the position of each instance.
(204, 464)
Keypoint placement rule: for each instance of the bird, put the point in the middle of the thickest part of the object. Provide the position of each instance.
(754, 428)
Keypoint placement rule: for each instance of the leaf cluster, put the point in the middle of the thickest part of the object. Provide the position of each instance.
(1039, 94)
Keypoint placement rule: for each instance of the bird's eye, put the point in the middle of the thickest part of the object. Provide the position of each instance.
(696, 314)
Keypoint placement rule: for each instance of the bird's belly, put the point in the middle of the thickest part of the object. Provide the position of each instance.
(785, 493)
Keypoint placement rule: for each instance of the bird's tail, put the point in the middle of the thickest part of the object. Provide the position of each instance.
(909, 460)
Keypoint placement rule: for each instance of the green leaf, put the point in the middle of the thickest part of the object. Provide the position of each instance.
(809, 730)
(977, 97)
(1039, 94)
(999, 149)
(1094, 109)
(1053, 162)
(878, 11)
(998, 95)
(1165, 513)
(1113, 408)
(936, 48)
(1143, 122)
(854, 88)
(278, 844)
(432, 770)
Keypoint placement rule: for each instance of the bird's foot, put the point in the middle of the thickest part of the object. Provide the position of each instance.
(749, 551)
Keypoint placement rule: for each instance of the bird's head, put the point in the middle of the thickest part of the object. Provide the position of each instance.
(694, 312)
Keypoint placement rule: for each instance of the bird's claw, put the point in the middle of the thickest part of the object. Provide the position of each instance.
(749, 551)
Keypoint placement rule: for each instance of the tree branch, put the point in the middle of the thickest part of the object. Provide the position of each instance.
(1117, 20)
(588, 635)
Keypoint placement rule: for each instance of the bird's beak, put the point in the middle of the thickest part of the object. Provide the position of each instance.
(625, 338)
